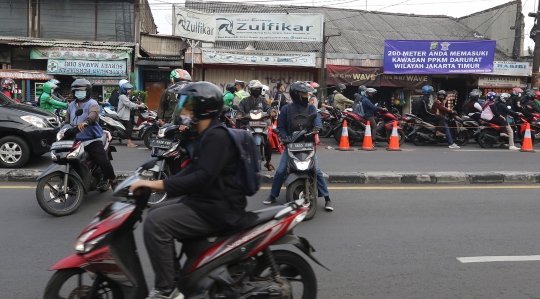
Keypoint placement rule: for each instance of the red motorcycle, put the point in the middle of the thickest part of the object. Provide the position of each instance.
(490, 135)
(232, 264)
(385, 124)
(356, 126)
(331, 119)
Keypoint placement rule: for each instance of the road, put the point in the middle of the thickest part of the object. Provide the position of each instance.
(391, 243)
(470, 158)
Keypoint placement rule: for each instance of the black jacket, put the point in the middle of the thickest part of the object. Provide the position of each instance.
(504, 111)
(281, 98)
(249, 104)
(515, 103)
(208, 181)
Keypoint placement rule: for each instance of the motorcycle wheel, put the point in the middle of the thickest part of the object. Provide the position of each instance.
(418, 141)
(161, 196)
(483, 141)
(148, 136)
(295, 269)
(326, 131)
(296, 191)
(462, 138)
(70, 283)
(401, 136)
(56, 197)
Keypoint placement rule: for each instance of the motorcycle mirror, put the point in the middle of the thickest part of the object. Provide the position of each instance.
(78, 112)
(149, 164)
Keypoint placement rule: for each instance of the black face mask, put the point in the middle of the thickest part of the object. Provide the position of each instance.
(304, 101)
(256, 92)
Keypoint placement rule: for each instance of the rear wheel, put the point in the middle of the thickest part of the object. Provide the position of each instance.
(148, 136)
(297, 190)
(401, 136)
(484, 140)
(417, 140)
(326, 131)
(53, 197)
(76, 283)
(337, 135)
(462, 138)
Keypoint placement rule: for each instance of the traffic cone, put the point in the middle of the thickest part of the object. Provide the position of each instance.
(394, 140)
(527, 141)
(368, 141)
(344, 142)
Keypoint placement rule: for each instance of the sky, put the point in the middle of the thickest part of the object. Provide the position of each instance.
(162, 9)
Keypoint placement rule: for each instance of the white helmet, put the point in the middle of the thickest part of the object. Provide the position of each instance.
(265, 89)
(122, 82)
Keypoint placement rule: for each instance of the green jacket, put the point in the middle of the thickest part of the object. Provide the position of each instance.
(46, 102)
(228, 98)
(239, 96)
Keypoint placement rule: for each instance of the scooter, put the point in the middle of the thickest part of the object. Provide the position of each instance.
(62, 185)
(425, 132)
(255, 121)
(385, 125)
(230, 264)
(356, 126)
(490, 135)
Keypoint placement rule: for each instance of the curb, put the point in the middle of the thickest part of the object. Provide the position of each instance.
(356, 178)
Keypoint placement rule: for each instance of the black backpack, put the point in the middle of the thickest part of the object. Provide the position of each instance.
(114, 98)
(330, 100)
(298, 118)
(417, 106)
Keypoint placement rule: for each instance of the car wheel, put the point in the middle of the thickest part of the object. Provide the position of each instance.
(14, 152)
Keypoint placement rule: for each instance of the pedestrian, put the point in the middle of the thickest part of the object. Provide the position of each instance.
(299, 92)
(340, 101)
(280, 97)
(124, 110)
(169, 100)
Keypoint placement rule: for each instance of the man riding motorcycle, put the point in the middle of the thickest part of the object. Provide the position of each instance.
(8, 86)
(240, 93)
(515, 99)
(56, 92)
(228, 96)
(340, 101)
(528, 106)
(168, 100)
(473, 107)
(439, 110)
(213, 201)
(46, 102)
(89, 127)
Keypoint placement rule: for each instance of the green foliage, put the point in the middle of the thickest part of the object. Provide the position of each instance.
(142, 95)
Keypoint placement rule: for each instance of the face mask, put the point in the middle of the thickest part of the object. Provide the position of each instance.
(256, 92)
(363, 93)
(80, 95)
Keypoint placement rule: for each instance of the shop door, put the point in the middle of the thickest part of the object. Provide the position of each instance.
(154, 90)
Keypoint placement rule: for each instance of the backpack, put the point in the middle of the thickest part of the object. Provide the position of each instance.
(358, 107)
(330, 100)
(298, 118)
(114, 98)
(417, 106)
(247, 175)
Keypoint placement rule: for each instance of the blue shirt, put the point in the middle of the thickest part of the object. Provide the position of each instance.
(285, 117)
(369, 108)
(90, 131)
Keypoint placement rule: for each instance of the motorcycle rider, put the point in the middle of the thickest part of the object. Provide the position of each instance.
(124, 110)
(299, 92)
(427, 113)
(473, 107)
(528, 105)
(89, 127)
(370, 109)
(500, 101)
(491, 114)
(515, 99)
(313, 95)
(7, 87)
(168, 100)
(228, 96)
(240, 93)
(340, 101)
(46, 102)
(213, 202)
(257, 102)
(56, 92)
(439, 109)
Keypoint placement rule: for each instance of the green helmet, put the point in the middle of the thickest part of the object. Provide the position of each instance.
(48, 87)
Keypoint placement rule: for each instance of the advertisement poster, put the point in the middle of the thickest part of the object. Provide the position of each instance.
(262, 58)
(193, 24)
(501, 81)
(438, 57)
(78, 54)
(405, 81)
(87, 68)
(352, 75)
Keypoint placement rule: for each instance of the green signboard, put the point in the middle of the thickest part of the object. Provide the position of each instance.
(59, 53)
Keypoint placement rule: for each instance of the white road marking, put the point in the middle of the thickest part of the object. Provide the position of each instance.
(486, 259)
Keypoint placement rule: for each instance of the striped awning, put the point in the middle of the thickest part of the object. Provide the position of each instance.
(25, 75)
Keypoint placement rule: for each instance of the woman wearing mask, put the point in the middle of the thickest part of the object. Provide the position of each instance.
(124, 108)
(491, 114)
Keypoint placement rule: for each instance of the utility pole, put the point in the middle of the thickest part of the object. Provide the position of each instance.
(322, 70)
(536, 57)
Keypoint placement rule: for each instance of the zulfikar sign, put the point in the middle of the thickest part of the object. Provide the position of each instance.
(438, 57)
(193, 24)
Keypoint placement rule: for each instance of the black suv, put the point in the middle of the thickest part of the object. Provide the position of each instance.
(24, 131)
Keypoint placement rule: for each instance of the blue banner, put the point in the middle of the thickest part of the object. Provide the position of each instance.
(438, 57)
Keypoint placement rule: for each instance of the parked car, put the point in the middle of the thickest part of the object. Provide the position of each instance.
(25, 131)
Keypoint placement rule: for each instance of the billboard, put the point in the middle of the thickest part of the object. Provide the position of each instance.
(438, 57)
(193, 24)
(259, 58)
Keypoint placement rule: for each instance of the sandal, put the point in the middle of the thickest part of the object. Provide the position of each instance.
(132, 145)
(270, 167)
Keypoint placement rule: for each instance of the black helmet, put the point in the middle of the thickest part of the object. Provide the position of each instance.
(441, 92)
(341, 87)
(530, 93)
(361, 88)
(230, 88)
(205, 97)
(297, 88)
(475, 94)
(81, 84)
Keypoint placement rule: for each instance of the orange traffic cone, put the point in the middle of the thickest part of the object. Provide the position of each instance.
(527, 141)
(394, 140)
(368, 141)
(344, 142)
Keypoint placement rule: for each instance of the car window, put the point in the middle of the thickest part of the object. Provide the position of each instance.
(4, 100)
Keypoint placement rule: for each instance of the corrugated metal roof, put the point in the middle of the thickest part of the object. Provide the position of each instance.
(41, 42)
(362, 32)
(156, 45)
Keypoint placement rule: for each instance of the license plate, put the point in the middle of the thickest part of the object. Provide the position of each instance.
(302, 146)
(161, 143)
(258, 124)
(68, 144)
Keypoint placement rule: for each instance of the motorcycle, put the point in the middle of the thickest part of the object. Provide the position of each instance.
(301, 182)
(356, 126)
(230, 264)
(62, 185)
(110, 121)
(490, 135)
(147, 126)
(424, 132)
(172, 157)
(255, 121)
(385, 124)
(330, 119)
(472, 125)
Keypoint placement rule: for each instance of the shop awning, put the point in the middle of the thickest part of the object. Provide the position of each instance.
(101, 80)
(352, 75)
(25, 75)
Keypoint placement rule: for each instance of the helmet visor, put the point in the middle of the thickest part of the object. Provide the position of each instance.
(185, 105)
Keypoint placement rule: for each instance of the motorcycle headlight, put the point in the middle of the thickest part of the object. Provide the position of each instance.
(81, 246)
(302, 165)
(255, 116)
(34, 121)
(75, 153)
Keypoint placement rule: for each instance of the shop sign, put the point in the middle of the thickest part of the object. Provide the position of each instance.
(59, 53)
(269, 27)
(511, 68)
(193, 24)
(405, 81)
(352, 75)
(87, 68)
(25, 75)
(501, 81)
(438, 57)
(259, 58)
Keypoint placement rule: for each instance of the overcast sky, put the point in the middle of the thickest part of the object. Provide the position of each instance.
(161, 9)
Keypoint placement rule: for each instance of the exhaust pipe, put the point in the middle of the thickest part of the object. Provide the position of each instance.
(425, 136)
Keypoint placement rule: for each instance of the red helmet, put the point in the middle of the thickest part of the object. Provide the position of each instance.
(537, 96)
(315, 85)
(516, 91)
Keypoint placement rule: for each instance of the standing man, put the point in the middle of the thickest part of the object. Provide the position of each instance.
(168, 100)
(240, 93)
(299, 94)
(124, 110)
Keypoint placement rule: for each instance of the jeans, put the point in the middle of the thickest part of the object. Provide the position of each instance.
(448, 134)
(281, 174)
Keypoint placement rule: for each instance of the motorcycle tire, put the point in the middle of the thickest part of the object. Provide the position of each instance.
(326, 132)
(157, 197)
(462, 138)
(291, 266)
(295, 191)
(148, 136)
(483, 141)
(401, 136)
(418, 141)
(75, 184)
(60, 277)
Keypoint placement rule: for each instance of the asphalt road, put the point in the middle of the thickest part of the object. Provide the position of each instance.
(398, 242)
(470, 158)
